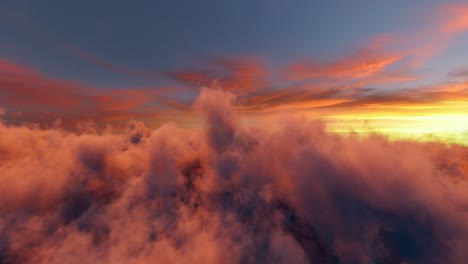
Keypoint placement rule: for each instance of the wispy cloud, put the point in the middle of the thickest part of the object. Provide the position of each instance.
(454, 19)
(237, 74)
(34, 94)
(380, 78)
(364, 63)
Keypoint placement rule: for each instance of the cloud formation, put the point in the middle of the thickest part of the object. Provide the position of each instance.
(241, 75)
(363, 63)
(35, 97)
(383, 76)
(289, 193)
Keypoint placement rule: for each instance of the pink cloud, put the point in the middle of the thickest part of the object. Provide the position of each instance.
(39, 96)
(287, 193)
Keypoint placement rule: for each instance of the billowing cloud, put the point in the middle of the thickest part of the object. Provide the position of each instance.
(287, 193)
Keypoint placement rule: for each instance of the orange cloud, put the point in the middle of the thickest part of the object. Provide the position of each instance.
(23, 86)
(196, 78)
(286, 193)
(440, 110)
(455, 19)
(364, 63)
(406, 51)
(23, 89)
(244, 75)
(436, 29)
(240, 75)
(332, 87)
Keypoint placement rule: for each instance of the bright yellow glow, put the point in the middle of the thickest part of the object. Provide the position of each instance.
(446, 127)
(443, 121)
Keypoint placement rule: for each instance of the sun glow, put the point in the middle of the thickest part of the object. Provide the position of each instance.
(445, 127)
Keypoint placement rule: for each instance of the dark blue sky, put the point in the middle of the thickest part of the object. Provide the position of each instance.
(163, 35)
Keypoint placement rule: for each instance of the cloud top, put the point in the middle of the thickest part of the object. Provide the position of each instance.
(289, 193)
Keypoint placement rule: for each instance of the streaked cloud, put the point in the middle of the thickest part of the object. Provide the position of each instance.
(240, 75)
(37, 96)
(455, 19)
(363, 63)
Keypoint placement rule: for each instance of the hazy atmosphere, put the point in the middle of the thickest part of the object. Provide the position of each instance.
(233, 131)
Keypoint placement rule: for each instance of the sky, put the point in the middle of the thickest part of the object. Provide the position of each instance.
(249, 131)
(394, 67)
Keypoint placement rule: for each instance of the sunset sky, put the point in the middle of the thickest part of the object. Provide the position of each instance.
(398, 67)
(234, 131)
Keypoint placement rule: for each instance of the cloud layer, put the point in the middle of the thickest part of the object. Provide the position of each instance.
(289, 193)
(384, 80)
